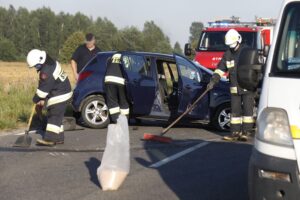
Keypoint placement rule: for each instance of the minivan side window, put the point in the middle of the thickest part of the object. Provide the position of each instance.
(287, 54)
(137, 64)
(188, 70)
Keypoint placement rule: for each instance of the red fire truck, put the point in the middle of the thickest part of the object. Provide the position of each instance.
(211, 45)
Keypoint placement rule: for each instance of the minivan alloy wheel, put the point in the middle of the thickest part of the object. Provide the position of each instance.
(224, 119)
(96, 113)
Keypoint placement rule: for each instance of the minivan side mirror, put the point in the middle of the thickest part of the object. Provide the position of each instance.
(188, 49)
(266, 50)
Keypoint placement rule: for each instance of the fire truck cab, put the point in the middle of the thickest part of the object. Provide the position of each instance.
(211, 45)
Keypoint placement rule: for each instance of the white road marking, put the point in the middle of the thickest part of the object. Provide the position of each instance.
(178, 155)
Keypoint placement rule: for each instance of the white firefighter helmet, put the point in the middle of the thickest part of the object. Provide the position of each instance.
(36, 56)
(232, 37)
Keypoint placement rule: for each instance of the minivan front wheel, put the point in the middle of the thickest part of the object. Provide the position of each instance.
(94, 112)
(221, 119)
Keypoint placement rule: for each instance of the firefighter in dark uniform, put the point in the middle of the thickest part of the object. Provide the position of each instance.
(115, 89)
(242, 101)
(54, 90)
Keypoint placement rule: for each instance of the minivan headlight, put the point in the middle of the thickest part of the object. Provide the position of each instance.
(273, 127)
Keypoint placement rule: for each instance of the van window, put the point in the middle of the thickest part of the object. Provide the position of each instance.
(287, 54)
(137, 64)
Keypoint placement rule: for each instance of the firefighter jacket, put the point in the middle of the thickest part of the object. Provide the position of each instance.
(229, 64)
(54, 85)
(114, 73)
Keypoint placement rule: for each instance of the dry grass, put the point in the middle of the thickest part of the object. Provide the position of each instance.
(17, 87)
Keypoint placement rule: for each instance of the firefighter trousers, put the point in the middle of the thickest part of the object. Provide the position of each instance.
(242, 112)
(54, 129)
(116, 101)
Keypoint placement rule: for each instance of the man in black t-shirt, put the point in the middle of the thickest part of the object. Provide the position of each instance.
(83, 54)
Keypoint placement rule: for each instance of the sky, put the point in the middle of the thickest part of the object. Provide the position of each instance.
(173, 16)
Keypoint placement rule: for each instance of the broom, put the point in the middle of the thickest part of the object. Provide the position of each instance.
(161, 137)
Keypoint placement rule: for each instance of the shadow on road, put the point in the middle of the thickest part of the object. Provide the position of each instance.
(182, 124)
(219, 171)
(92, 164)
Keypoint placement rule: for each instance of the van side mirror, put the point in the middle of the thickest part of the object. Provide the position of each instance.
(249, 69)
(188, 49)
(266, 50)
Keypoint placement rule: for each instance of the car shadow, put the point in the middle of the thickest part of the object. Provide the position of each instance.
(218, 171)
(92, 165)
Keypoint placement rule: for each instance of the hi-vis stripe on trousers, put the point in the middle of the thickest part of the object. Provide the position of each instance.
(54, 129)
(242, 112)
(116, 100)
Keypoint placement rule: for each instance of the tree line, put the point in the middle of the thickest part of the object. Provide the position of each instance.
(59, 34)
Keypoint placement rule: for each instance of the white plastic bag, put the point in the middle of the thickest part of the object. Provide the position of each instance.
(115, 163)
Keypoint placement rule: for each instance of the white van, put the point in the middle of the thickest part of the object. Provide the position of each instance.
(275, 161)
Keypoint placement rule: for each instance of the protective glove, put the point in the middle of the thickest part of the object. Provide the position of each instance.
(213, 81)
(39, 109)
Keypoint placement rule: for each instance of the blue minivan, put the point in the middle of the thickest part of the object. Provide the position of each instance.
(159, 86)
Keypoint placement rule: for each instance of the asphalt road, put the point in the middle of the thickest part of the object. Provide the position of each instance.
(197, 165)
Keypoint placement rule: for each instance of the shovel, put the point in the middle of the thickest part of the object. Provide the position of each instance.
(25, 140)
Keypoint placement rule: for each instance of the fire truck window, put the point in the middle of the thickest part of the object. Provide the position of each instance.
(215, 41)
(249, 38)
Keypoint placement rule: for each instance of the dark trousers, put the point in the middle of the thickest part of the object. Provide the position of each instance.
(242, 112)
(116, 101)
(55, 116)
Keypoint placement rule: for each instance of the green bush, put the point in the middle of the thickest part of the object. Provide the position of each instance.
(70, 46)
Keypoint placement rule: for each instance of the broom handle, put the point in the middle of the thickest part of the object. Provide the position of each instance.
(30, 118)
(185, 112)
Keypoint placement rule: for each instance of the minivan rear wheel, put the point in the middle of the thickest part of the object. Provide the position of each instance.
(94, 112)
(221, 119)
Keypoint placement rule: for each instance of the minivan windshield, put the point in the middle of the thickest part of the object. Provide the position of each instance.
(215, 41)
(287, 54)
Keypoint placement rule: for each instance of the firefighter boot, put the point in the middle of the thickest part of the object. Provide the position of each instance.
(245, 136)
(233, 137)
(51, 141)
